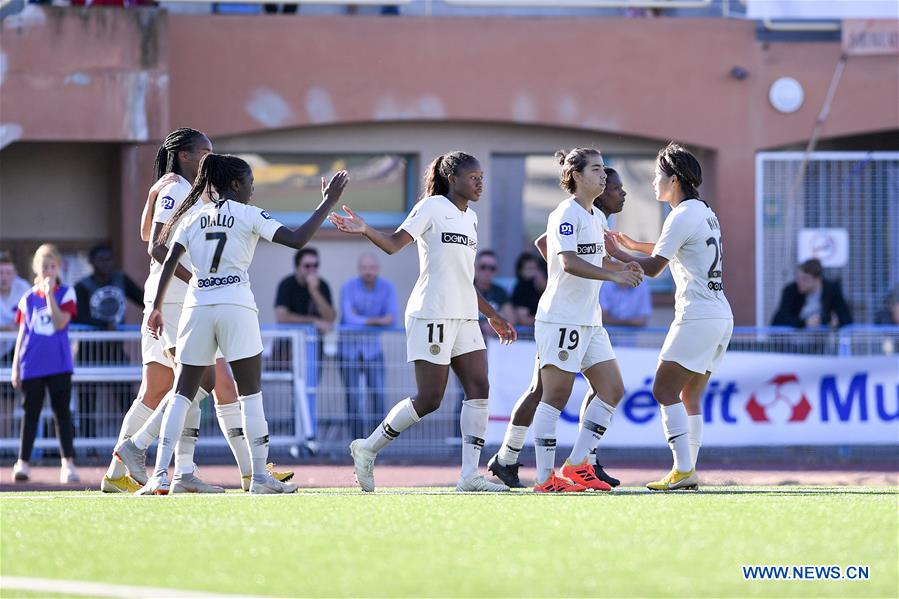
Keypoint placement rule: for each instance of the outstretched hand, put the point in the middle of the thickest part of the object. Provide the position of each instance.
(505, 331)
(350, 222)
(623, 240)
(333, 189)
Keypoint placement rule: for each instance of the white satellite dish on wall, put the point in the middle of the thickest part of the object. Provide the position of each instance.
(786, 95)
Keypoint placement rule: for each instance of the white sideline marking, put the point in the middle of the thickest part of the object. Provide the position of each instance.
(95, 589)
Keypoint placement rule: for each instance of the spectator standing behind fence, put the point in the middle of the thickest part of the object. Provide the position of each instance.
(890, 312)
(43, 361)
(528, 288)
(102, 295)
(12, 288)
(367, 301)
(304, 297)
(811, 301)
(625, 306)
(484, 270)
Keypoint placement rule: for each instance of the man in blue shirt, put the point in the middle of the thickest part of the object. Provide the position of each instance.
(624, 306)
(368, 305)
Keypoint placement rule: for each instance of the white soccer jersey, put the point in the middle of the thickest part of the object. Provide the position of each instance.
(447, 241)
(167, 202)
(221, 241)
(569, 299)
(691, 241)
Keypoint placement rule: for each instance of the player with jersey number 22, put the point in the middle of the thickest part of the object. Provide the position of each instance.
(703, 322)
(219, 308)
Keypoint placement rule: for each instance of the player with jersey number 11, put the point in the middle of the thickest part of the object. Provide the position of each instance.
(442, 328)
(219, 308)
(703, 322)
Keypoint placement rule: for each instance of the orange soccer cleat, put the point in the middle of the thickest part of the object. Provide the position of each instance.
(584, 475)
(557, 484)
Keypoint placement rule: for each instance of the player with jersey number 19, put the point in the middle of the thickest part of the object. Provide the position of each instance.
(441, 316)
(703, 322)
(568, 329)
(219, 308)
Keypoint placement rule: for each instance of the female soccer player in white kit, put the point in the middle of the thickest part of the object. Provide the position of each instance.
(219, 309)
(703, 322)
(441, 316)
(176, 166)
(568, 329)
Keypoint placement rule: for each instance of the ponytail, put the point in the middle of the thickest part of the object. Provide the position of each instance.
(440, 170)
(167, 154)
(674, 160)
(572, 162)
(216, 172)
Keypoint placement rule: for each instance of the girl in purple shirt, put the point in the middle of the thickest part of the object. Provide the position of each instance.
(43, 360)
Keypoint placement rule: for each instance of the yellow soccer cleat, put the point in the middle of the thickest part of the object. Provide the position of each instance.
(282, 477)
(123, 484)
(676, 481)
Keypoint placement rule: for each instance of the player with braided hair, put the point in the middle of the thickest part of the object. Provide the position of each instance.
(703, 321)
(442, 328)
(220, 313)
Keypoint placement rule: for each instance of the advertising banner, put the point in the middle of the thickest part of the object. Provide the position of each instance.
(762, 399)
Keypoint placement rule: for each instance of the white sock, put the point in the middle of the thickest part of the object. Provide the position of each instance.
(184, 450)
(591, 458)
(677, 431)
(256, 431)
(695, 423)
(595, 419)
(545, 420)
(172, 425)
(149, 432)
(399, 418)
(512, 444)
(228, 416)
(134, 419)
(473, 423)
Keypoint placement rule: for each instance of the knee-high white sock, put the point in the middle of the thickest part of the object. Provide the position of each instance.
(187, 444)
(545, 420)
(695, 423)
(149, 432)
(513, 441)
(473, 424)
(134, 419)
(595, 419)
(228, 416)
(172, 425)
(677, 431)
(256, 431)
(399, 418)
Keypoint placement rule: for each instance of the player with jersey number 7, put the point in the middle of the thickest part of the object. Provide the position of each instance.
(219, 308)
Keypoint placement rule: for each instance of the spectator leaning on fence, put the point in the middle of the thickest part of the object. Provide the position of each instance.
(624, 306)
(102, 295)
(43, 361)
(12, 288)
(484, 270)
(811, 301)
(367, 301)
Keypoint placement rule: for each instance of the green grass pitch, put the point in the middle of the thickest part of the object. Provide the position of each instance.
(435, 543)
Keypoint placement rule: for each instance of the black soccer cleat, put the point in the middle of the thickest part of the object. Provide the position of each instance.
(601, 475)
(507, 474)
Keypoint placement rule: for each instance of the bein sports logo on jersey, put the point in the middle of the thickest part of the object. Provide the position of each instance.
(458, 238)
(168, 202)
(566, 229)
(589, 248)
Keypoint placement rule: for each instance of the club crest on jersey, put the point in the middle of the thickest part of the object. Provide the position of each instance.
(458, 238)
(266, 215)
(168, 202)
(566, 229)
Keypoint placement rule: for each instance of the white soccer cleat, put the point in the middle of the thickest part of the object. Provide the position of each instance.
(21, 472)
(67, 473)
(157, 485)
(134, 460)
(476, 483)
(271, 486)
(364, 464)
(191, 483)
